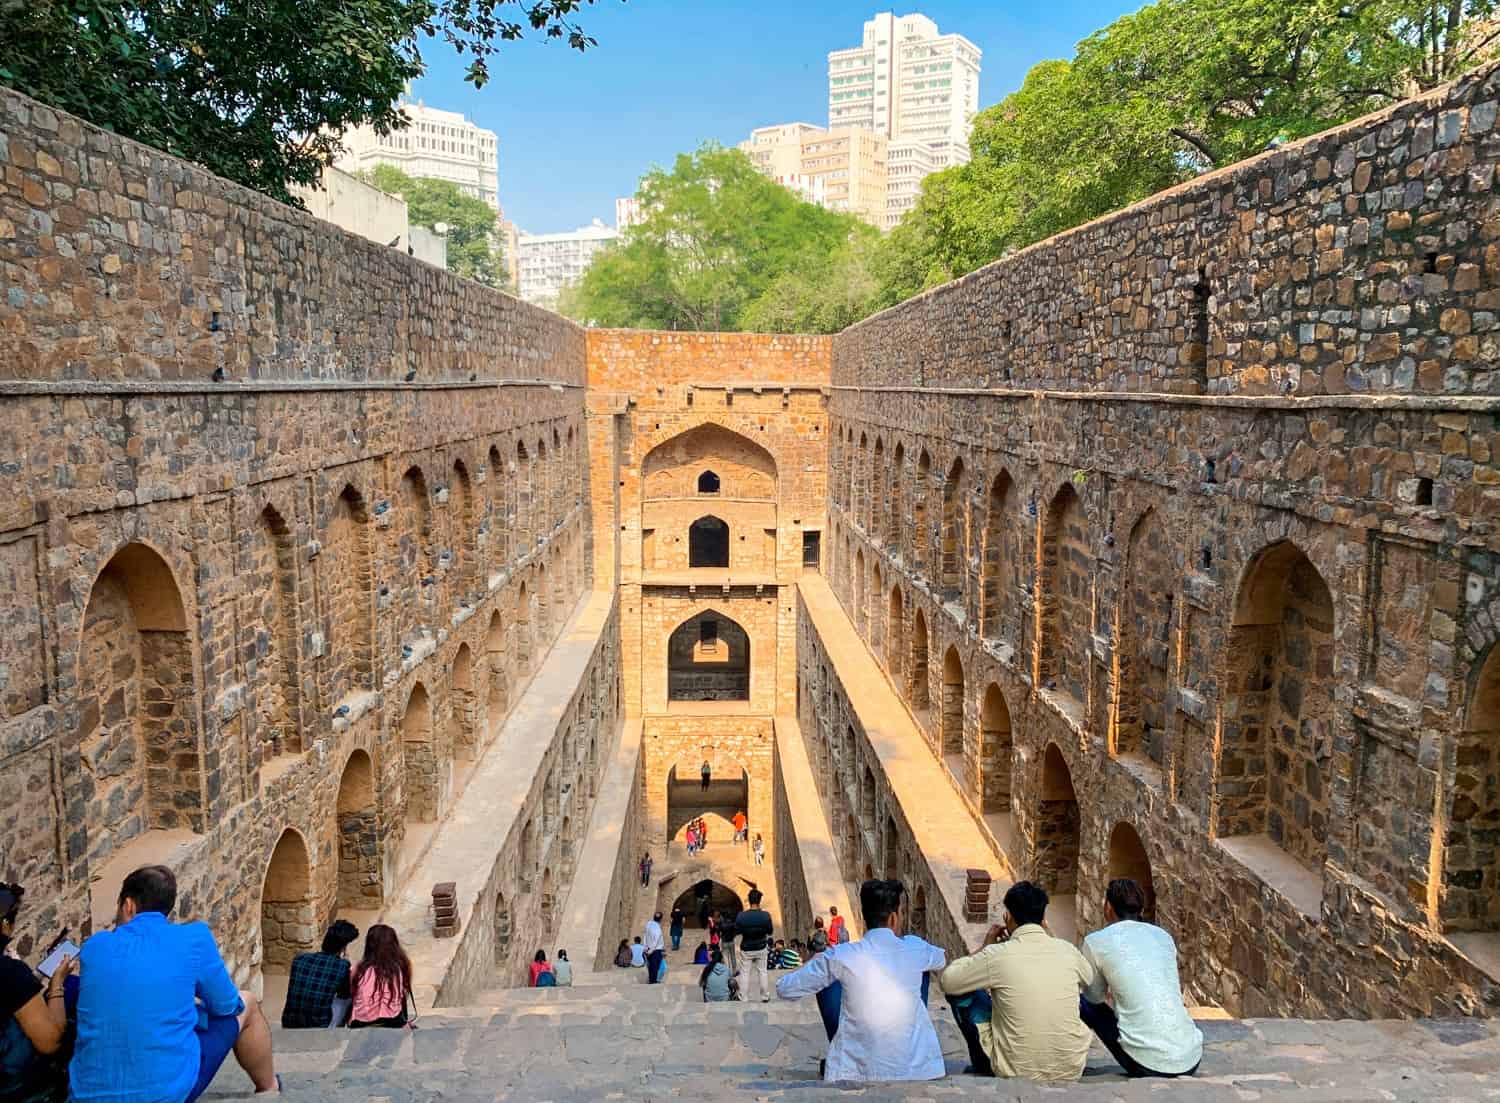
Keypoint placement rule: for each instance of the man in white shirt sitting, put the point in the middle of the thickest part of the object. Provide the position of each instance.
(1148, 1030)
(872, 994)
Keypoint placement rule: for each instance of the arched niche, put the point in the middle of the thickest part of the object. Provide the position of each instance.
(745, 469)
(1273, 779)
(1057, 826)
(359, 858)
(1140, 726)
(708, 659)
(1128, 858)
(422, 767)
(1067, 595)
(138, 705)
(708, 542)
(703, 897)
(287, 921)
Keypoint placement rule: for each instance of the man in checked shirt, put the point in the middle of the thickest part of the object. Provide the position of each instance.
(317, 979)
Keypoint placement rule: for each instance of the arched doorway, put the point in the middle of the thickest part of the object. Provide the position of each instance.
(952, 725)
(994, 752)
(728, 792)
(1128, 858)
(287, 922)
(708, 543)
(708, 659)
(421, 775)
(461, 731)
(705, 896)
(1278, 721)
(137, 694)
(1067, 595)
(1057, 829)
(359, 883)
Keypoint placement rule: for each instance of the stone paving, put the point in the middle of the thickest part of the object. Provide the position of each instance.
(633, 1043)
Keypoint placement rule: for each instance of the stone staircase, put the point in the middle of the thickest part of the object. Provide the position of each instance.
(616, 1038)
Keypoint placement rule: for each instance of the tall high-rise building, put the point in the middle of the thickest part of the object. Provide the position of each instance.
(910, 83)
(842, 169)
(546, 263)
(438, 145)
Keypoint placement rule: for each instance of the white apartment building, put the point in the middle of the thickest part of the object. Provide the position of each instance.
(906, 164)
(841, 170)
(546, 263)
(438, 145)
(909, 83)
(627, 213)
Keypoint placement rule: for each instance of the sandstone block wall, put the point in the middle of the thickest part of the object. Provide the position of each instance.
(260, 629)
(1223, 633)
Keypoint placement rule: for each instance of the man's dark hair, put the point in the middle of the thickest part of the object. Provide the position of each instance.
(153, 888)
(339, 935)
(1126, 897)
(1026, 902)
(10, 900)
(755, 897)
(879, 900)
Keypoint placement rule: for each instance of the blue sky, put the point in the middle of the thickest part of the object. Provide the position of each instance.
(578, 129)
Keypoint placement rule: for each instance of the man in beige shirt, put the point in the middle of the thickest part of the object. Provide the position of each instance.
(1016, 999)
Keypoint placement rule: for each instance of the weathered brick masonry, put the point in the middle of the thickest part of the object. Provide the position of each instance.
(262, 628)
(1177, 531)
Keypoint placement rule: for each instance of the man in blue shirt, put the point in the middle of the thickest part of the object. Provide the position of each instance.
(157, 1010)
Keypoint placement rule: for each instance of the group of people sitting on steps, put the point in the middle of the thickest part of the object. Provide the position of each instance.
(1027, 1003)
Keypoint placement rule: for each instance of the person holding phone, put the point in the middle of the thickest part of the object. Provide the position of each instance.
(33, 1019)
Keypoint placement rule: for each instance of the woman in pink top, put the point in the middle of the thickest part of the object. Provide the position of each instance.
(382, 981)
(539, 965)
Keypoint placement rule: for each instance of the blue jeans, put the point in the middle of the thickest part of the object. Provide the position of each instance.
(831, 1003)
(676, 940)
(1100, 1018)
(969, 1010)
(653, 966)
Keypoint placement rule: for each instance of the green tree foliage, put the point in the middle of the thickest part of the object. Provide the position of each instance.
(473, 249)
(1176, 88)
(255, 90)
(716, 236)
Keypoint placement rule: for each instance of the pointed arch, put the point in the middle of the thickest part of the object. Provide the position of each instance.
(287, 921)
(951, 720)
(917, 693)
(1064, 609)
(708, 542)
(745, 469)
(1128, 859)
(1144, 647)
(995, 750)
(1273, 776)
(423, 783)
(494, 647)
(273, 568)
(708, 659)
(896, 620)
(878, 481)
(954, 524)
(462, 532)
(138, 704)
(919, 533)
(1057, 825)
(895, 518)
(359, 858)
(347, 583)
(462, 707)
(995, 562)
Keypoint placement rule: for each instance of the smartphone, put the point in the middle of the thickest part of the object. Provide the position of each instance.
(65, 948)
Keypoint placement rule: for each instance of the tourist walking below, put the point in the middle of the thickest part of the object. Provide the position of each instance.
(562, 969)
(678, 919)
(655, 948)
(871, 995)
(157, 1010)
(33, 1018)
(759, 850)
(321, 980)
(741, 826)
(382, 981)
(707, 773)
(646, 869)
(1015, 999)
(716, 981)
(539, 968)
(1148, 1030)
(753, 926)
(837, 929)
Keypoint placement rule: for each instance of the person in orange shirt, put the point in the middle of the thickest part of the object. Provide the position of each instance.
(741, 825)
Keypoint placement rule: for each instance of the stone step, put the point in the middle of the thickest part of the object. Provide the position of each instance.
(576, 1048)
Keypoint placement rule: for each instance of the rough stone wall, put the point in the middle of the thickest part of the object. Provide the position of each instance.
(211, 638)
(792, 889)
(1308, 759)
(1358, 261)
(143, 266)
